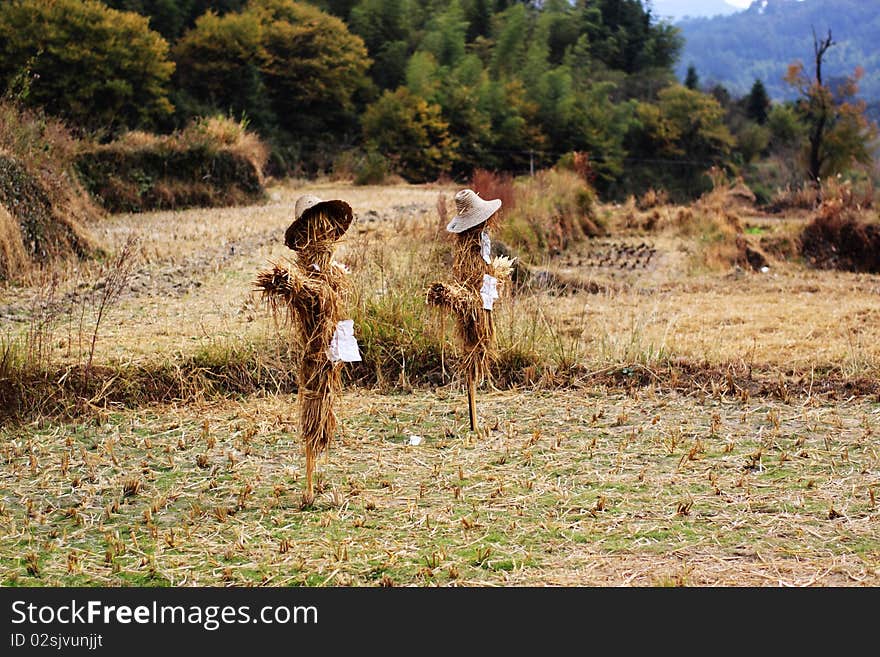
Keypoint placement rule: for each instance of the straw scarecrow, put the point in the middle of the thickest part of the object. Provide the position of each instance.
(311, 291)
(471, 298)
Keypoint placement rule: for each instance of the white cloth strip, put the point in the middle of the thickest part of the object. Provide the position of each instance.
(489, 291)
(344, 346)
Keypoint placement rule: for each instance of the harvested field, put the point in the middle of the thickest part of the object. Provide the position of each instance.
(566, 488)
(192, 289)
(676, 422)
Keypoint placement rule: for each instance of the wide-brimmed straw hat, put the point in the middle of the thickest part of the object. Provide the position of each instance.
(471, 211)
(307, 206)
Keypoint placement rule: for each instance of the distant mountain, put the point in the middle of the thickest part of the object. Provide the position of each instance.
(676, 10)
(763, 40)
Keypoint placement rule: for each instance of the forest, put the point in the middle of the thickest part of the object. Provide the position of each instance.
(761, 41)
(421, 89)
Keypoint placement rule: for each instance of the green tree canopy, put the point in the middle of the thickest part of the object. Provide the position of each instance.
(678, 139)
(511, 41)
(386, 28)
(412, 133)
(758, 103)
(625, 37)
(445, 35)
(284, 64)
(97, 67)
(687, 124)
(171, 18)
(786, 128)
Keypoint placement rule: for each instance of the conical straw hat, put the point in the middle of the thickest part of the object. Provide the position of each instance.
(308, 206)
(471, 211)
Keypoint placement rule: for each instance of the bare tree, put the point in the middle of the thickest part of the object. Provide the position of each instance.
(817, 131)
(838, 131)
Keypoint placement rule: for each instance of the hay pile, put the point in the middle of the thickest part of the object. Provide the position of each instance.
(43, 209)
(838, 239)
(553, 210)
(211, 163)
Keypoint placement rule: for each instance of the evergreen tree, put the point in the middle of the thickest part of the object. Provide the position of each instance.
(412, 133)
(758, 103)
(692, 80)
(627, 40)
(171, 18)
(511, 41)
(479, 18)
(561, 31)
(385, 27)
(720, 93)
(515, 129)
(445, 35)
(422, 77)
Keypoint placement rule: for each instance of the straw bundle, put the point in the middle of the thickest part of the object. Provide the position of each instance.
(475, 326)
(467, 261)
(310, 292)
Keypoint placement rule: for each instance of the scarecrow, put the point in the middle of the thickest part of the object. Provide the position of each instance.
(311, 291)
(471, 298)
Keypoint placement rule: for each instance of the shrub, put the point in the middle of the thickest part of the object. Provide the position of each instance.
(716, 233)
(713, 223)
(492, 185)
(803, 196)
(838, 239)
(410, 132)
(95, 66)
(373, 169)
(344, 164)
(652, 198)
(551, 210)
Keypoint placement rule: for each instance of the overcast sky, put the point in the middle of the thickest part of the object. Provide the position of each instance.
(677, 9)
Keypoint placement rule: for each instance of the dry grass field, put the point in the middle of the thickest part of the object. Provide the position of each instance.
(700, 424)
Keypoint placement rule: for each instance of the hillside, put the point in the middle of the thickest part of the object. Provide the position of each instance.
(761, 41)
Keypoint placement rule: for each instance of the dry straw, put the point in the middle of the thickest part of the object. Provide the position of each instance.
(475, 325)
(310, 291)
